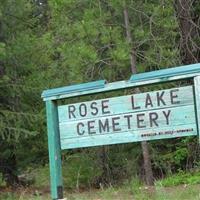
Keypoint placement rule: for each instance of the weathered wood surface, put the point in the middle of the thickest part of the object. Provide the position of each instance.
(146, 116)
(125, 104)
(167, 73)
(74, 88)
(140, 79)
(54, 150)
(197, 101)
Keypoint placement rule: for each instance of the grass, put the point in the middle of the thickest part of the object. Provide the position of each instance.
(181, 186)
(181, 178)
(129, 191)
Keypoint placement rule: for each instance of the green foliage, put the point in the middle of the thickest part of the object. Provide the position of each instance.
(79, 171)
(175, 155)
(2, 50)
(188, 178)
(11, 196)
(39, 175)
(2, 182)
(8, 196)
(83, 170)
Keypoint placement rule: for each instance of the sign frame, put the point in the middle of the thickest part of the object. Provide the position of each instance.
(52, 96)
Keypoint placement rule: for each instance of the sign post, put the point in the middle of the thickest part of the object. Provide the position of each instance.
(146, 116)
(197, 103)
(54, 150)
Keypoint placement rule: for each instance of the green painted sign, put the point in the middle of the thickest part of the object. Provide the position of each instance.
(145, 116)
(137, 117)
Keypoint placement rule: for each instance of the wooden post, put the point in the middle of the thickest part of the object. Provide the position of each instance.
(54, 150)
(197, 102)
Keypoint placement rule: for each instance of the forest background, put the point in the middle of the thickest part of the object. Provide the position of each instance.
(52, 43)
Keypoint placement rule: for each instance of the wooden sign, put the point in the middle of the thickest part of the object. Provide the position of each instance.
(137, 117)
(145, 116)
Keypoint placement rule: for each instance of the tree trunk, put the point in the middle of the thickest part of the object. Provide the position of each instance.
(145, 149)
(105, 178)
(147, 164)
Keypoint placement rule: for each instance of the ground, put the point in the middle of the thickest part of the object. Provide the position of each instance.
(180, 192)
